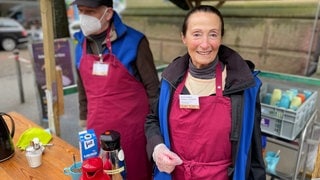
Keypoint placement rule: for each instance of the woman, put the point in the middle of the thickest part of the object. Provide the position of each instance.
(206, 122)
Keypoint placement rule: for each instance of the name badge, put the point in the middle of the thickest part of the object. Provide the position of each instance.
(100, 69)
(189, 101)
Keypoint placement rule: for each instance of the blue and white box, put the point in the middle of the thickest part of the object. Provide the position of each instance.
(88, 144)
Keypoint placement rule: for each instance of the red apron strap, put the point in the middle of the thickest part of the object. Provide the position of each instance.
(219, 79)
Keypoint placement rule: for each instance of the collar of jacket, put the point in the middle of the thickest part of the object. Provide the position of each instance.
(239, 75)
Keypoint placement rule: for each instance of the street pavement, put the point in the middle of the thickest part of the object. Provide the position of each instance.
(25, 98)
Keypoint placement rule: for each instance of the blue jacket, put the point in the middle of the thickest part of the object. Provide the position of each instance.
(243, 88)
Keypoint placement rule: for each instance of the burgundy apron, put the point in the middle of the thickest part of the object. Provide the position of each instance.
(201, 136)
(117, 101)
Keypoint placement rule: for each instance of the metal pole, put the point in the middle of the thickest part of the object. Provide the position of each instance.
(16, 58)
(312, 38)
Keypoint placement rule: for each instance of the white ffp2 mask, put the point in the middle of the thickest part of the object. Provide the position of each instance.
(90, 24)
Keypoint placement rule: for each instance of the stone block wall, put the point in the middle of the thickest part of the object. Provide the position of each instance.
(275, 38)
(279, 45)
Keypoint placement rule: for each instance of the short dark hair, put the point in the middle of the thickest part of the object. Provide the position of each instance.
(202, 8)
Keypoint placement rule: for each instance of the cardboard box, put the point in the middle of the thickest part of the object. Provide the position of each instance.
(88, 144)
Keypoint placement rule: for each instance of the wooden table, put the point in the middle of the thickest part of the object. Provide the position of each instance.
(54, 159)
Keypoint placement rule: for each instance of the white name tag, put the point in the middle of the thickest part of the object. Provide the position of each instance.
(100, 69)
(189, 101)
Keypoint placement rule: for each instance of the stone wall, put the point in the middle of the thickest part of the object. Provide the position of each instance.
(276, 37)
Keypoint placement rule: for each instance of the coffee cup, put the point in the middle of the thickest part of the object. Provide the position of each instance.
(74, 170)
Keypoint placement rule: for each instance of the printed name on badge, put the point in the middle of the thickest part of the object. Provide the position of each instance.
(100, 69)
(189, 101)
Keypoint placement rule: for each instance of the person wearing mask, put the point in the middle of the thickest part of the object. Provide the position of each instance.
(117, 80)
(206, 121)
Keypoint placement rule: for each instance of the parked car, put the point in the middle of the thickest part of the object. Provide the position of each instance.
(12, 33)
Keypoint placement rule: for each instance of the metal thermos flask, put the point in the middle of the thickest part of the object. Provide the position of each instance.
(112, 155)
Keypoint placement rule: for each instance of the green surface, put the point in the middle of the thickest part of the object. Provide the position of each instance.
(291, 78)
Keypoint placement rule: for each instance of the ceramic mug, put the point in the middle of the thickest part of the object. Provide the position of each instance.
(74, 171)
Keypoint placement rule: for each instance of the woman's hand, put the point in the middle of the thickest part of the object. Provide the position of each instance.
(165, 159)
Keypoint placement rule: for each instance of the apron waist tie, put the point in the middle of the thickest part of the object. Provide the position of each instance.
(189, 166)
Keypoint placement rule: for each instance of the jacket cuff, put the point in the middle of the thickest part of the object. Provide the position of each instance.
(152, 142)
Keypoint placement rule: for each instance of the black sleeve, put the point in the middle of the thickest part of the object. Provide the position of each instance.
(152, 129)
(147, 70)
(82, 98)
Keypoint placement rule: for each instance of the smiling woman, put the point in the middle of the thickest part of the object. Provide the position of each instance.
(11, 34)
(206, 122)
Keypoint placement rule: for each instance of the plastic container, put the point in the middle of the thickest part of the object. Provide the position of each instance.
(282, 122)
(272, 160)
